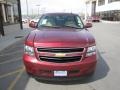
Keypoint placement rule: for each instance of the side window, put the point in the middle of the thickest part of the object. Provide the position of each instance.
(44, 22)
(79, 22)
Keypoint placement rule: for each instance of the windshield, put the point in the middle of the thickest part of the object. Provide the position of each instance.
(57, 21)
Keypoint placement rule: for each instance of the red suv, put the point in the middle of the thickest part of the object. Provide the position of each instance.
(60, 47)
(95, 18)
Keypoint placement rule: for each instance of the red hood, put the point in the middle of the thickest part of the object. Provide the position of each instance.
(62, 38)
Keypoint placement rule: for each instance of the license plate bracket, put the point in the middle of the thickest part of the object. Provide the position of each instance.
(60, 73)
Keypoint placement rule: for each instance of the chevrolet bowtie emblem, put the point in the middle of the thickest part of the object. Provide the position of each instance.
(60, 54)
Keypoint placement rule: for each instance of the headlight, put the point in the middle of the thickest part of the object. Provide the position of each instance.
(91, 51)
(29, 50)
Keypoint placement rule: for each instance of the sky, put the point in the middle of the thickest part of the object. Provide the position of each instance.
(41, 6)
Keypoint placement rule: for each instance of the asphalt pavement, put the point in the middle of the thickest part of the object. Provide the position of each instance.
(106, 77)
(108, 43)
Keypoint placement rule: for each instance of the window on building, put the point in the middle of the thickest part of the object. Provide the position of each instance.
(110, 15)
(101, 2)
(109, 1)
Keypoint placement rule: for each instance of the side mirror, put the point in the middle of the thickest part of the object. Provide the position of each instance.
(88, 25)
(32, 24)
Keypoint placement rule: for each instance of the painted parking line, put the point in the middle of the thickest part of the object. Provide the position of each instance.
(11, 73)
(10, 61)
(12, 84)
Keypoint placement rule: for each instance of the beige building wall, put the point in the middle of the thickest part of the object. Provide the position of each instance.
(88, 11)
(8, 10)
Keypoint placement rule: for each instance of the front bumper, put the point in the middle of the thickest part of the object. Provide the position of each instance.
(46, 69)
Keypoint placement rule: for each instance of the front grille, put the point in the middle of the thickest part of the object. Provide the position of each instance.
(60, 59)
(60, 50)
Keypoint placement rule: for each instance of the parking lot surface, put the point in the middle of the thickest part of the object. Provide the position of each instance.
(106, 77)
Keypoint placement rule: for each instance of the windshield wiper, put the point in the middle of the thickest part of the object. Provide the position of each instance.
(50, 26)
(73, 27)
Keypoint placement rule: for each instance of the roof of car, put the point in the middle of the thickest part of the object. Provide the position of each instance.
(59, 14)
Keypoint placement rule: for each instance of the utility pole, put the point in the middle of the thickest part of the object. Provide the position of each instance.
(1, 24)
(38, 9)
(19, 13)
(27, 8)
